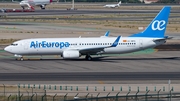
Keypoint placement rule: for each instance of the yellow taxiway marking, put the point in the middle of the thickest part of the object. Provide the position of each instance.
(101, 82)
(156, 50)
(29, 59)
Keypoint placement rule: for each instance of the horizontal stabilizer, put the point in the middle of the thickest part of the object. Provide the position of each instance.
(165, 38)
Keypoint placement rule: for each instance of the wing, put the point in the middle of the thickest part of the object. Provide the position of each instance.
(98, 50)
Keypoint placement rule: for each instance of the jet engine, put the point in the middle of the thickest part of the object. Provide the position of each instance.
(71, 54)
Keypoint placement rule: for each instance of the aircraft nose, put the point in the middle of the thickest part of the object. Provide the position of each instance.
(7, 49)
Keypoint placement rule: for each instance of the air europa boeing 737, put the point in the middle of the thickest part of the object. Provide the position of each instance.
(73, 48)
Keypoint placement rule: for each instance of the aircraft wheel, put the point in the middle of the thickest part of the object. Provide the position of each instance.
(22, 59)
(23, 7)
(43, 8)
(88, 57)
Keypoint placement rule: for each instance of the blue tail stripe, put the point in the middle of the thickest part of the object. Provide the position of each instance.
(158, 25)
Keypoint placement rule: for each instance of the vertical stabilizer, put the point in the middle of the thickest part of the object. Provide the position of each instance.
(157, 27)
(119, 3)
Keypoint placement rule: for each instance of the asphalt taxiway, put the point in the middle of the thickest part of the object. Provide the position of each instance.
(74, 12)
(89, 76)
(161, 61)
(162, 65)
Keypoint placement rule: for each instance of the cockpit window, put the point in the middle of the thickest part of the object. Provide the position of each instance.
(14, 44)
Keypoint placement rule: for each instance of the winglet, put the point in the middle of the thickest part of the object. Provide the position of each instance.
(116, 42)
(107, 33)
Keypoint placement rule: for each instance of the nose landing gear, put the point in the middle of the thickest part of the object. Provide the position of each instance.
(19, 57)
(22, 59)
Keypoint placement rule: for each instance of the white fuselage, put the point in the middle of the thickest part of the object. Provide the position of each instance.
(111, 5)
(56, 46)
(27, 3)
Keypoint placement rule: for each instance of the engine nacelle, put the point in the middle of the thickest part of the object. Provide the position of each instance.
(70, 54)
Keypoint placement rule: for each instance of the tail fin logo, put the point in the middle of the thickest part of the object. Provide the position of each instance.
(158, 25)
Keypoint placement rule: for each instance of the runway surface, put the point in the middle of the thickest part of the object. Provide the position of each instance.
(74, 12)
(162, 61)
(162, 65)
(103, 18)
(89, 76)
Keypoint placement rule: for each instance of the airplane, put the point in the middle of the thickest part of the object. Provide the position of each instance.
(113, 5)
(74, 48)
(31, 3)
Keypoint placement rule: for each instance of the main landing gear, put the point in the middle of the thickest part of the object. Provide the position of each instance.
(88, 57)
(23, 7)
(19, 57)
